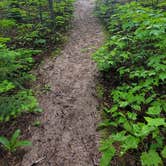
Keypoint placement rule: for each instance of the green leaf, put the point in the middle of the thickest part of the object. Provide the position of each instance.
(154, 110)
(6, 86)
(163, 153)
(15, 136)
(5, 142)
(105, 144)
(120, 136)
(158, 140)
(38, 110)
(107, 156)
(105, 123)
(113, 109)
(23, 143)
(130, 142)
(150, 158)
(136, 107)
(123, 104)
(155, 121)
(142, 130)
(132, 116)
(127, 126)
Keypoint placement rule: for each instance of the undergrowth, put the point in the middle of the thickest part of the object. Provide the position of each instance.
(27, 29)
(136, 52)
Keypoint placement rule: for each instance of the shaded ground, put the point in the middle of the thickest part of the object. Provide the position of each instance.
(67, 135)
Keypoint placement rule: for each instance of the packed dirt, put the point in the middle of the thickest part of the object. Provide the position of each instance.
(67, 135)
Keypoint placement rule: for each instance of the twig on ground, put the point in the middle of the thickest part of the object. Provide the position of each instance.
(38, 161)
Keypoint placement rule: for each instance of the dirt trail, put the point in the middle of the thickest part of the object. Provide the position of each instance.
(68, 134)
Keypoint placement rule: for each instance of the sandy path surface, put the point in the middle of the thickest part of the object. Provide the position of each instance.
(67, 136)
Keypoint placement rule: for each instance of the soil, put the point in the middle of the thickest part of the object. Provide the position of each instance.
(67, 135)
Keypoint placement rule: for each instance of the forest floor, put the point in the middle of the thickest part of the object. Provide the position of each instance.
(67, 135)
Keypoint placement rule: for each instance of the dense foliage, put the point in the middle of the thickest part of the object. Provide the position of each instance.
(27, 28)
(136, 52)
(14, 96)
(34, 23)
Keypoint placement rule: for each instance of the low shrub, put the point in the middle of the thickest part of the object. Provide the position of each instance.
(15, 97)
(136, 52)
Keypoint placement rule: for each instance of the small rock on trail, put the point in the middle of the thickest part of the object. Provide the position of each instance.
(68, 134)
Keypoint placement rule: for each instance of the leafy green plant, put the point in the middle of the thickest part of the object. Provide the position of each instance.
(7, 24)
(100, 91)
(135, 52)
(14, 142)
(46, 88)
(15, 98)
(36, 24)
(37, 123)
(28, 29)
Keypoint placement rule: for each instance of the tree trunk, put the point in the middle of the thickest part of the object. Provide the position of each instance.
(51, 9)
(40, 12)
